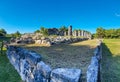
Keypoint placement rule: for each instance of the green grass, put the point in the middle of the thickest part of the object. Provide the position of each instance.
(7, 71)
(111, 60)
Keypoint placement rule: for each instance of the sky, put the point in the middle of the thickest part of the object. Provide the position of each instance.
(26, 16)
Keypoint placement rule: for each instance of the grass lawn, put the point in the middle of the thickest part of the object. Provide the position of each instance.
(76, 55)
(7, 71)
(111, 61)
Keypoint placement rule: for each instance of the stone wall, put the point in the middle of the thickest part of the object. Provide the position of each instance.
(93, 72)
(46, 41)
(31, 68)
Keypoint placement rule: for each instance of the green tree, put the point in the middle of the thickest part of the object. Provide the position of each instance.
(37, 31)
(118, 33)
(2, 32)
(63, 28)
(16, 34)
(100, 32)
(44, 31)
(107, 34)
(111, 33)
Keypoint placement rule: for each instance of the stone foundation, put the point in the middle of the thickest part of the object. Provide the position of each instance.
(31, 68)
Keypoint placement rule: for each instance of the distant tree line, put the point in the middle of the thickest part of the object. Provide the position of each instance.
(100, 32)
(16, 34)
(107, 33)
(3, 33)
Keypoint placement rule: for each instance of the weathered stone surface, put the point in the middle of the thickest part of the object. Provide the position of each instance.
(38, 41)
(65, 33)
(22, 70)
(79, 33)
(65, 75)
(44, 69)
(33, 58)
(70, 31)
(42, 72)
(28, 64)
(92, 72)
(82, 33)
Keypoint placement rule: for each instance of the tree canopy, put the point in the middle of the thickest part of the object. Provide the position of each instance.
(2, 32)
(44, 31)
(16, 34)
(107, 33)
(63, 28)
(100, 32)
(37, 31)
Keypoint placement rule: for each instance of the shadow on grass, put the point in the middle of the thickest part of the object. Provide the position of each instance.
(110, 65)
(7, 71)
(66, 56)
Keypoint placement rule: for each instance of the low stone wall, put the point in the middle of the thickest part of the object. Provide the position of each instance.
(93, 72)
(46, 41)
(31, 68)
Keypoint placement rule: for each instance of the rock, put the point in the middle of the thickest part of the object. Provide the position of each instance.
(42, 72)
(37, 36)
(38, 41)
(44, 69)
(18, 41)
(49, 43)
(92, 72)
(12, 40)
(43, 38)
(44, 42)
(22, 70)
(33, 58)
(65, 75)
(26, 71)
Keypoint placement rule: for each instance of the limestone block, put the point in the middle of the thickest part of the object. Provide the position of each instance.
(92, 72)
(65, 75)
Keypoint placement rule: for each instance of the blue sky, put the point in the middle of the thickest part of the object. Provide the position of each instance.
(30, 15)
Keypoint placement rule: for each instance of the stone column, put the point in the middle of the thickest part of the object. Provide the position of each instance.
(79, 33)
(82, 33)
(70, 31)
(76, 33)
(85, 34)
(65, 33)
(90, 36)
(73, 33)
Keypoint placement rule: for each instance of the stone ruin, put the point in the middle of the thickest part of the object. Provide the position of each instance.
(38, 38)
(70, 31)
(32, 68)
